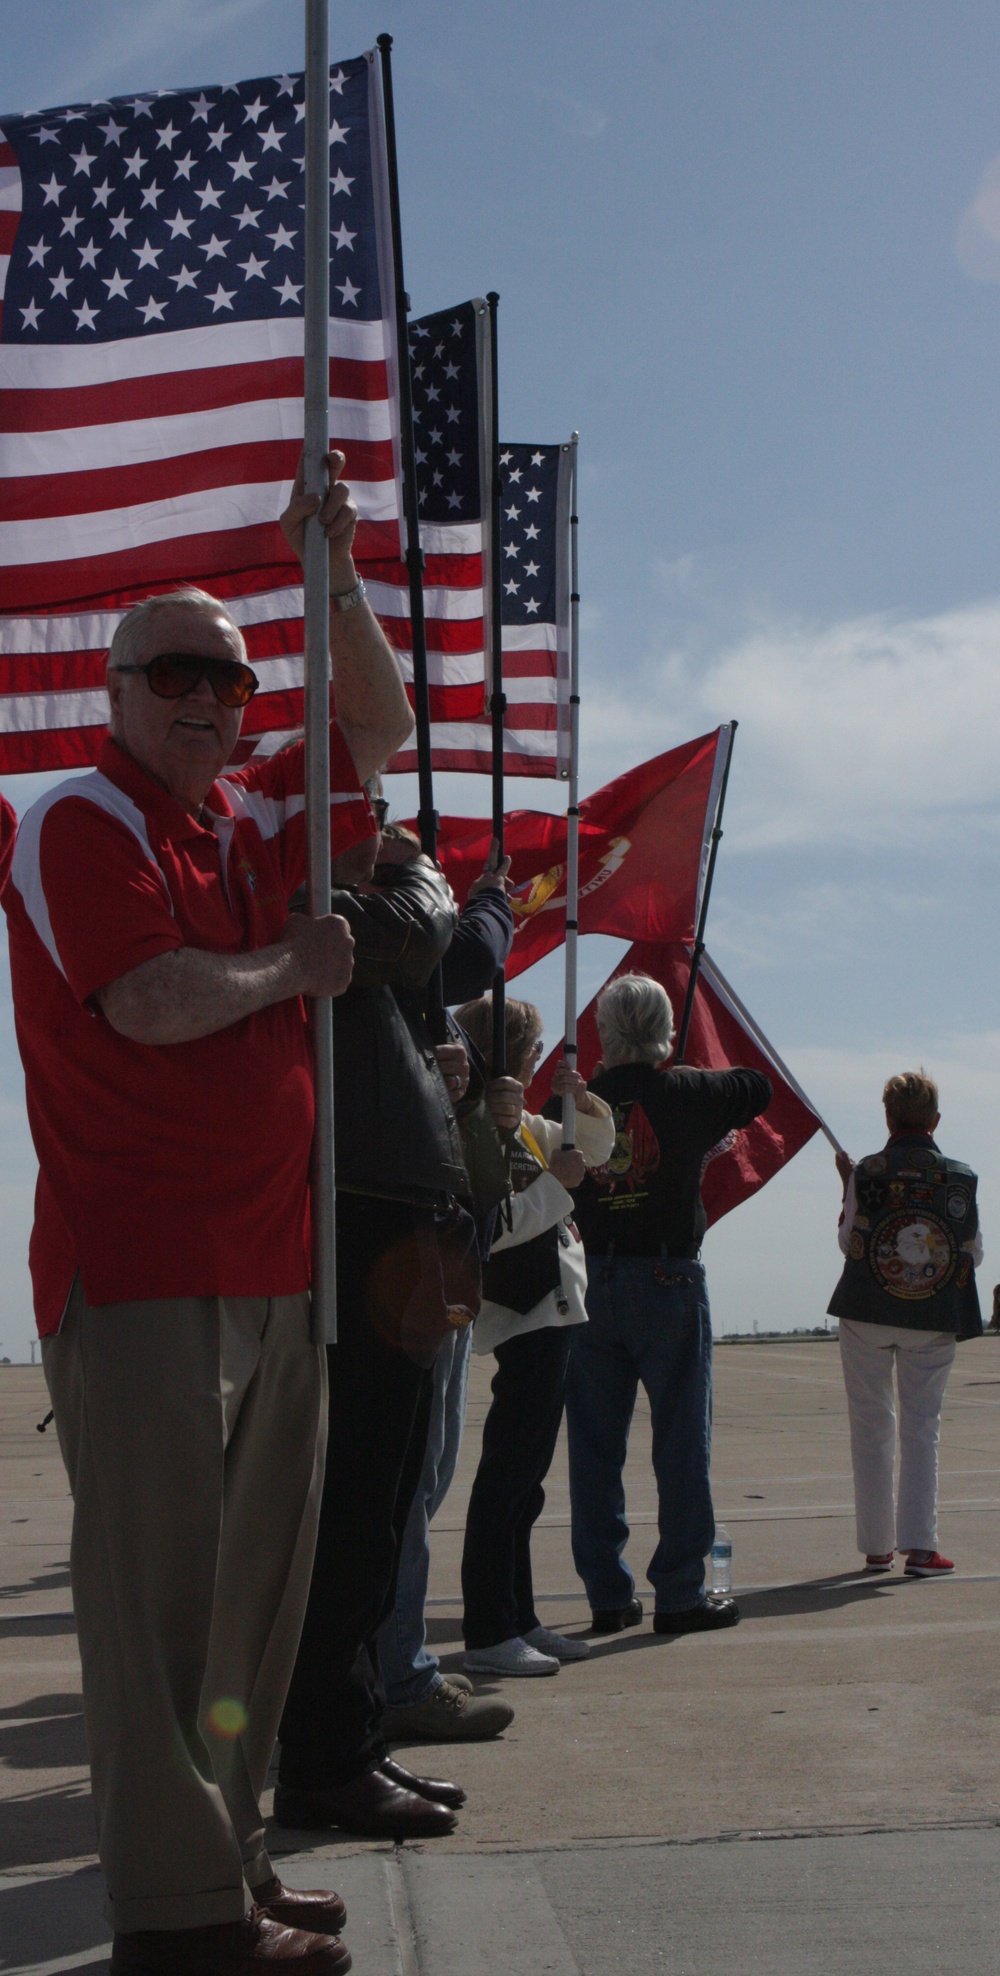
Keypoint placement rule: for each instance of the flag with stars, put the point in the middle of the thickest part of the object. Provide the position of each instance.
(151, 376)
(450, 384)
(534, 558)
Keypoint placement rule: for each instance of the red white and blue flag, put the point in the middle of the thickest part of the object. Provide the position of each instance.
(453, 421)
(151, 281)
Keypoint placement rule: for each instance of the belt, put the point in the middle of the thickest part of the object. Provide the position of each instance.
(662, 1254)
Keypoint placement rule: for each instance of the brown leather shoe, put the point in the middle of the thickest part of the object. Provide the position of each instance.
(231, 1948)
(324, 1913)
(370, 1804)
(436, 1789)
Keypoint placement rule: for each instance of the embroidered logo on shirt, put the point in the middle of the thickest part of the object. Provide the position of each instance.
(634, 1155)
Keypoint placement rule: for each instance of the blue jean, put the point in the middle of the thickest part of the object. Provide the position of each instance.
(409, 1672)
(648, 1320)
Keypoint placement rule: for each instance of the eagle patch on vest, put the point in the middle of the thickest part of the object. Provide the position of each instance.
(912, 1248)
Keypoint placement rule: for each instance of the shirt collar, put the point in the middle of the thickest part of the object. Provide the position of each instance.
(152, 799)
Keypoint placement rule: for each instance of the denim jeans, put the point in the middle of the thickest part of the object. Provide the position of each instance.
(649, 1321)
(409, 1672)
(519, 1438)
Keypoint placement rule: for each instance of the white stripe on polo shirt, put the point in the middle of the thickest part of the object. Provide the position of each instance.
(26, 867)
(271, 813)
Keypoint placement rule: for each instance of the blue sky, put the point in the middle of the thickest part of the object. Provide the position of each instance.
(753, 254)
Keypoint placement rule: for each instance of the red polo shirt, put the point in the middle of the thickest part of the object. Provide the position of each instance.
(178, 1170)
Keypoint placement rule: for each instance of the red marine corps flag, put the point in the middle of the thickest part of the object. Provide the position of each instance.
(722, 1035)
(644, 846)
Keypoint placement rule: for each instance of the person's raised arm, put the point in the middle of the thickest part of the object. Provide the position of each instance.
(189, 992)
(372, 707)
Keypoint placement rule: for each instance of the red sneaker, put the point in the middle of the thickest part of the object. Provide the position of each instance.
(926, 1564)
(879, 1560)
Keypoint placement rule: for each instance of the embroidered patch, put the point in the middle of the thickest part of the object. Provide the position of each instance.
(856, 1246)
(958, 1205)
(912, 1256)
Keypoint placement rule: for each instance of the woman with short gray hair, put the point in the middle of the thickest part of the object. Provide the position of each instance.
(635, 1021)
(642, 1222)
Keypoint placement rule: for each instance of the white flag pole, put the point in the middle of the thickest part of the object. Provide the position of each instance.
(316, 613)
(573, 807)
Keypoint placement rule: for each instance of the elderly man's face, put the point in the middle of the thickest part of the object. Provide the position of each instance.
(182, 743)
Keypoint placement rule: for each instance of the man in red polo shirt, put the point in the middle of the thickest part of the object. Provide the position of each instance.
(158, 985)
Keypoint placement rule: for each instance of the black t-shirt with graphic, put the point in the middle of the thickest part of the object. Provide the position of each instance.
(647, 1198)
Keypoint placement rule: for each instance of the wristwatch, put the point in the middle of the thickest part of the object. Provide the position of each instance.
(348, 600)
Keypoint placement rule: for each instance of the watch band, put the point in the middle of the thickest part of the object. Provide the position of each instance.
(348, 600)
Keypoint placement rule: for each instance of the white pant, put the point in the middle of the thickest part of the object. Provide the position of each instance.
(923, 1361)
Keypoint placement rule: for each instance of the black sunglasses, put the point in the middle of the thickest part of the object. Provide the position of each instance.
(172, 674)
(380, 808)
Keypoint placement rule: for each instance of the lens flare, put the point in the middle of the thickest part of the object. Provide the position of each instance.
(227, 1717)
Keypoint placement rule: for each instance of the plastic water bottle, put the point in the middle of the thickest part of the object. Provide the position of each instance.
(722, 1561)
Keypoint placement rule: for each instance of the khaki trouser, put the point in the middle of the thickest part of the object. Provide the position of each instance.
(193, 1431)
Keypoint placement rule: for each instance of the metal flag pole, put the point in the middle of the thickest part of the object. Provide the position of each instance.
(573, 807)
(699, 939)
(498, 698)
(427, 816)
(316, 614)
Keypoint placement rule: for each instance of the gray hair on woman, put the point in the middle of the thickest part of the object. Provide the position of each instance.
(635, 1020)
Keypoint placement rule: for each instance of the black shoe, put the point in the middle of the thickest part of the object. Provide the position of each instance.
(709, 1617)
(370, 1804)
(436, 1789)
(616, 1618)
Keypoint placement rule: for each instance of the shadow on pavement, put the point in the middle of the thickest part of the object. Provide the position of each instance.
(45, 1733)
(37, 1625)
(814, 1595)
(54, 1578)
(54, 1823)
(43, 1920)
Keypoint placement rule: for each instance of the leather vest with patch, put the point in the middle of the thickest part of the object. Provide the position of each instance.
(906, 1262)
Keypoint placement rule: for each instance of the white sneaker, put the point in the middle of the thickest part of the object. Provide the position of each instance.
(547, 1642)
(509, 1657)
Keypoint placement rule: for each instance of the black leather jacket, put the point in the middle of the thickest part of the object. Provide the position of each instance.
(396, 1131)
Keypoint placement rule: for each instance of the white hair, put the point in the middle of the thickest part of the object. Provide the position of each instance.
(635, 1020)
(127, 643)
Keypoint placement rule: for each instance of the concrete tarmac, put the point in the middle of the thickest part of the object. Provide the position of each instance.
(813, 1791)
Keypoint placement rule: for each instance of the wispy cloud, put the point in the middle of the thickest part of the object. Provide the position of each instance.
(977, 241)
(159, 27)
(880, 722)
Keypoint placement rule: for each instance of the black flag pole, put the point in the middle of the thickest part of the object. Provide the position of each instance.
(427, 816)
(498, 698)
(699, 939)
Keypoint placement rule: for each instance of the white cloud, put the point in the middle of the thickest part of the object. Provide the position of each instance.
(881, 723)
(157, 28)
(977, 242)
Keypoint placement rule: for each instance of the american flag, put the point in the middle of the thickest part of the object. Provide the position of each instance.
(450, 383)
(452, 416)
(151, 285)
(534, 562)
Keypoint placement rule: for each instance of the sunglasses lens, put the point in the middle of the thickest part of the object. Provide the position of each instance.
(232, 684)
(175, 673)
